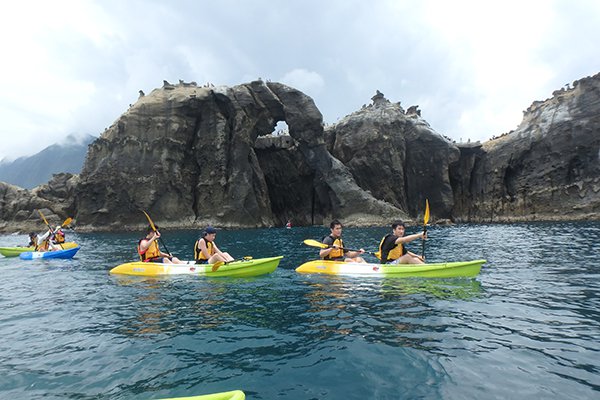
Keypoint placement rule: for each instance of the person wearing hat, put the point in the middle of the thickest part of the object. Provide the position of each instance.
(150, 252)
(392, 249)
(206, 250)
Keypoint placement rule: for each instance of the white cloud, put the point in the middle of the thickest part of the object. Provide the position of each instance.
(309, 82)
(472, 67)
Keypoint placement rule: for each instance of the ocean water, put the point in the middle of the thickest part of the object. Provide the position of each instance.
(527, 327)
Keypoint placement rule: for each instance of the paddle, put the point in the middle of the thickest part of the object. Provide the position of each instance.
(219, 264)
(425, 221)
(314, 243)
(65, 223)
(154, 229)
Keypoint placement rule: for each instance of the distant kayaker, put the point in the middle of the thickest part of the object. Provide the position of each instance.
(206, 250)
(336, 250)
(150, 252)
(59, 235)
(32, 239)
(392, 249)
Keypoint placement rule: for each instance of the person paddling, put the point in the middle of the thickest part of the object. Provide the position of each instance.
(42, 242)
(336, 251)
(150, 252)
(206, 250)
(392, 249)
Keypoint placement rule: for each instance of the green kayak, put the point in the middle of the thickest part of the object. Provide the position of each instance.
(233, 395)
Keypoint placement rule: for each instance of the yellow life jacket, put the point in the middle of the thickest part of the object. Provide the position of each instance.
(198, 255)
(151, 252)
(59, 238)
(395, 252)
(335, 253)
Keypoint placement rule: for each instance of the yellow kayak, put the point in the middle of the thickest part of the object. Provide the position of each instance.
(438, 270)
(236, 269)
(233, 395)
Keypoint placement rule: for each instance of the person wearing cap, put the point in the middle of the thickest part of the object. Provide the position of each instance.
(150, 252)
(42, 242)
(206, 250)
(392, 249)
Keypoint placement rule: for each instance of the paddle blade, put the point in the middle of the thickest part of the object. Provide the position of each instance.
(426, 216)
(217, 265)
(44, 218)
(314, 243)
(67, 221)
(150, 221)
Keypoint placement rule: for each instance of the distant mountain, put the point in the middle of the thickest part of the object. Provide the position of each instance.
(31, 171)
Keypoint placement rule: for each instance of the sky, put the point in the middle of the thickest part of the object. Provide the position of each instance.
(472, 67)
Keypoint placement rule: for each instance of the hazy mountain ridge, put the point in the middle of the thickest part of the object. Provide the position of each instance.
(31, 171)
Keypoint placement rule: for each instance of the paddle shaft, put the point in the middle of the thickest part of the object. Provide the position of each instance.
(425, 221)
(155, 230)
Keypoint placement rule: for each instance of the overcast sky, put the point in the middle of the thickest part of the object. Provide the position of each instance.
(73, 67)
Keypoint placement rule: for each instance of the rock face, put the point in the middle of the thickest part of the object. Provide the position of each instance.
(187, 155)
(396, 156)
(191, 156)
(547, 169)
(55, 199)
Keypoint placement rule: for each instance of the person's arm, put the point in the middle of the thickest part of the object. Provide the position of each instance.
(145, 243)
(203, 248)
(216, 249)
(325, 252)
(410, 238)
(43, 237)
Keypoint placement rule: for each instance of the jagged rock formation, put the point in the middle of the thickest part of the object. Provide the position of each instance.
(55, 199)
(547, 169)
(194, 155)
(396, 156)
(187, 155)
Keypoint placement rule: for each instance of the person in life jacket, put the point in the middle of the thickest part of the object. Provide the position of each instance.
(150, 252)
(335, 251)
(42, 242)
(206, 250)
(392, 249)
(59, 236)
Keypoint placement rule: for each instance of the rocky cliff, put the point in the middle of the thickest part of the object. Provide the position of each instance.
(194, 155)
(189, 156)
(547, 169)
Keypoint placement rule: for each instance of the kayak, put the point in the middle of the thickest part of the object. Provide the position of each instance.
(34, 255)
(236, 269)
(438, 270)
(233, 395)
(15, 251)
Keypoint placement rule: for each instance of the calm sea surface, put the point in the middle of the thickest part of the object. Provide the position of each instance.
(527, 327)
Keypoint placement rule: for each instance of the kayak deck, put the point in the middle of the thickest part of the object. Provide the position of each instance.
(466, 269)
(233, 395)
(236, 269)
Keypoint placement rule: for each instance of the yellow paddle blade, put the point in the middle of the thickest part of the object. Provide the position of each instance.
(44, 218)
(67, 221)
(217, 265)
(149, 220)
(314, 243)
(426, 216)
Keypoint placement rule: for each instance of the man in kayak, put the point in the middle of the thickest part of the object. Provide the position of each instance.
(206, 250)
(42, 242)
(336, 251)
(150, 252)
(392, 249)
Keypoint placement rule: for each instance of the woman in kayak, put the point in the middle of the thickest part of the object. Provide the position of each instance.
(392, 249)
(150, 252)
(336, 251)
(42, 242)
(206, 250)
